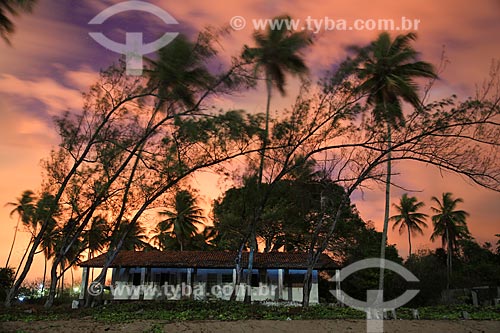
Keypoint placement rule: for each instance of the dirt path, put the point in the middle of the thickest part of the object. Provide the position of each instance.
(264, 326)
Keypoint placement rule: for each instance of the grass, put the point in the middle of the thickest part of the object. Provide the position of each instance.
(170, 311)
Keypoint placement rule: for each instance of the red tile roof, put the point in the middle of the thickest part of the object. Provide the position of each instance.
(209, 259)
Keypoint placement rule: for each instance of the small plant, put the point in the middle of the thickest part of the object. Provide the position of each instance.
(155, 328)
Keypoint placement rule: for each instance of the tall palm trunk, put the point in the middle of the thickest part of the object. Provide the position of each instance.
(12, 245)
(269, 85)
(31, 255)
(409, 242)
(22, 259)
(448, 264)
(253, 243)
(92, 269)
(44, 274)
(62, 280)
(387, 207)
(248, 294)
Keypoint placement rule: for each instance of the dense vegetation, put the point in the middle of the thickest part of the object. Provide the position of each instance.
(228, 311)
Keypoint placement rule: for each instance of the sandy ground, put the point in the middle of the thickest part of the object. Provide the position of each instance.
(265, 326)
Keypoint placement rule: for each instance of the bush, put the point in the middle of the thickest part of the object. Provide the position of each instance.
(6, 281)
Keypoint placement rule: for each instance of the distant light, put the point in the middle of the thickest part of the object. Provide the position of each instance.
(21, 298)
(76, 289)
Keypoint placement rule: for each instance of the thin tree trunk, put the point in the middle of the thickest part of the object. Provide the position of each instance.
(306, 289)
(387, 207)
(22, 259)
(62, 280)
(409, 242)
(12, 245)
(448, 264)
(31, 254)
(266, 130)
(92, 269)
(248, 294)
(238, 271)
(261, 175)
(53, 286)
(44, 273)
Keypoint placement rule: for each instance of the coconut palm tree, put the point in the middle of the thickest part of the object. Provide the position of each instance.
(24, 208)
(179, 71)
(135, 238)
(449, 224)
(70, 261)
(51, 235)
(163, 238)
(48, 245)
(96, 237)
(409, 218)
(276, 54)
(12, 8)
(184, 217)
(388, 69)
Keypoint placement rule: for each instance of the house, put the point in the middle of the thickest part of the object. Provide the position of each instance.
(155, 275)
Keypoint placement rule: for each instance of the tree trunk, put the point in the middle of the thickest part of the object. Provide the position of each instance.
(62, 281)
(12, 245)
(238, 271)
(36, 242)
(248, 294)
(44, 273)
(91, 269)
(387, 207)
(409, 242)
(53, 286)
(22, 259)
(448, 264)
(266, 130)
(306, 290)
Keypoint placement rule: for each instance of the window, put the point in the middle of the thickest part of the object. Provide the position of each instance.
(227, 278)
(136, 280)
(255, 279)
(295, 278)
(211, 281)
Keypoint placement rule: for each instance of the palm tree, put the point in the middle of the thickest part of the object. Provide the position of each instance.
(179, 71)
(409, 218)
(24, 208)
(388, 70)
(50, 238)
(96, 237)
(276, 53)
(449, 224)
(135, 238)
(70, 261)
(48, 246)
(12, 8)
(163, 238)
(184, 217)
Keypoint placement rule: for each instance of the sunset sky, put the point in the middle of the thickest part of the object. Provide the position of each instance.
(53, 59)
